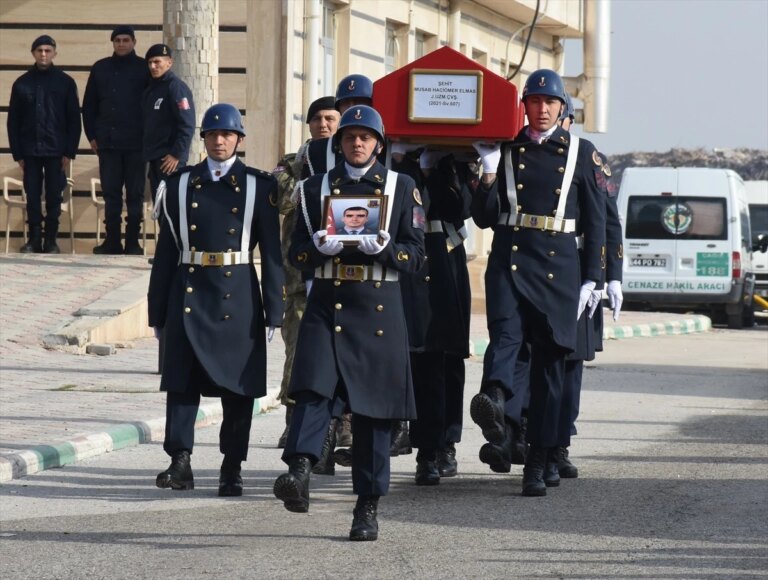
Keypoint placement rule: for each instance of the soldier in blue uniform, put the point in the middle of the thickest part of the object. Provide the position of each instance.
(169, 117)
(204, 295)
(532, 191)
(352, 347)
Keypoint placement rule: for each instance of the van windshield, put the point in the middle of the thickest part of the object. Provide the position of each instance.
(758, 214)
(669, 218)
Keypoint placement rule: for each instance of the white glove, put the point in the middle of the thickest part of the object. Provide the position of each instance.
(594, 302)
(371, 246)
(585, 294)
(428, 159)
(615, 297)
(270, 333)
(308, 284)
(330, 247)
(157, 331)
(490, 155)
(403, 148)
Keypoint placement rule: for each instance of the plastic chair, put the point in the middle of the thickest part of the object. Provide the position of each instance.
(67, 205)
(99, 205)
(13, 184)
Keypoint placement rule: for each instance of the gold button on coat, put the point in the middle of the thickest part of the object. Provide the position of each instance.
(338, 329)
(336, 191)
(558, 191)
(237, 189)
(231, 231)
(187, 310)
(193, 248)
(189, 290)
(377, 285)
(227, 296)
(516, 228)
(561, 169)
(235, 210)
(193, 227)
(377, 192)
(560, 150)
(514, 248)
(338, 306)
(226, 317)
(379, 333)
(550, 276)
(337, 282)
(380, 308)
(191, 269)
(427, 278)
(519, 186)
(514, 267)
(551, 253)
(337, 260)
(522, 149)
(228, 274)
(194, 204)
(198, 186)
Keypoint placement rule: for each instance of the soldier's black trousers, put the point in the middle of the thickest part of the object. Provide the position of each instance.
(39, 170)
(181, 413)
(118, 169)
(524, 323)
(370, 452)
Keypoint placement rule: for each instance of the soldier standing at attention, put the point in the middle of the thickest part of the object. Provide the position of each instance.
(536, 289)
(169, 117)
(204, 295)
(112, 123)
(352, 347)
(322, 119)
(43, 134)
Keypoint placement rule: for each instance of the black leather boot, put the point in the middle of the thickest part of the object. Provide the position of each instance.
(487, 411)
(343, 456)
(365, 527)
(501, 457)
(551, 473)
(230, 480)
(293, 487)
(132, 246)
(49, 240)
(519, 446)
(426, 468)
(325, 465)
(284, 437)
(344, 431)
(111, 244)
(533, 472)
(34, 244)
(401, 443)
(446, 461)
(179, 474)
(566, 469)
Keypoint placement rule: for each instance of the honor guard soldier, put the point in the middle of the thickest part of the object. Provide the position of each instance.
(322, 119)
(352, 346)
(169, 117)
(204, 295)
(437, 305)
(113, 124)
(43, 133)
(532, 191)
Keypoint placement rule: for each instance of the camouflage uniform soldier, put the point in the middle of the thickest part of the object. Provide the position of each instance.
(322, 119)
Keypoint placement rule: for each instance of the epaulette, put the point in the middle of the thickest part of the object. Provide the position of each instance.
(259, 172)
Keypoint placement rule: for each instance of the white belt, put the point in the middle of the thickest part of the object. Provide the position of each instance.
(356, 273)
(540, 222)
(216, 258)
(434, 227)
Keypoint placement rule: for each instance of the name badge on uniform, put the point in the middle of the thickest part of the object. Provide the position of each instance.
(158, 102)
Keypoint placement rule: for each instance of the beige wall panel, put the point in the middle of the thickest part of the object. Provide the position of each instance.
(84, 11)
(232, 12)
(84, 47)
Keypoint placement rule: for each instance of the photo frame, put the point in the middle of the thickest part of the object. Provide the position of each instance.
(365, 215)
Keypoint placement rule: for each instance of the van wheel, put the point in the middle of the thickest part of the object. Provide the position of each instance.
(736, 317)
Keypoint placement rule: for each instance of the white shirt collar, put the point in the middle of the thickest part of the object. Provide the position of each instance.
(222, 167)
(541, 137)
(357, 172)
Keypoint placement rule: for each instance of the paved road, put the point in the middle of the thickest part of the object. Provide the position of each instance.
(674, 469)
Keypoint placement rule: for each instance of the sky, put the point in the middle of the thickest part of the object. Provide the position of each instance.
(684, 73)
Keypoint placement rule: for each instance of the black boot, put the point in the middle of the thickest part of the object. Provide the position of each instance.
(519, 447)
(487, 410)
(49, 240)
(551, 473)
(284, 436)
(111, 244)
(501, 457)
(426, 468)
(401, 443)
(132, 247)
(325, 465)
(446, 461)
(179, 473)
(343, 456)
(230, 480)
(34, 244)
(365, 527)
(344, 431)
(566, 469)
(293, 487)
(533, 472)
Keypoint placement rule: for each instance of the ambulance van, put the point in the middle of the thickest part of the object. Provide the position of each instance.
(687, 241)
(757, 197)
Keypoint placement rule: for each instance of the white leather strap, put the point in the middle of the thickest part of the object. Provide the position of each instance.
(570, 167)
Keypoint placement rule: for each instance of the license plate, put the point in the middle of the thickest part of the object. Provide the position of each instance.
(649, 262)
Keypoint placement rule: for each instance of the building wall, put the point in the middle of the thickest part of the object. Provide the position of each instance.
(251, 66)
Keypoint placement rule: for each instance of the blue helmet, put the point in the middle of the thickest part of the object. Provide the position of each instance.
(222, 117)
(354, 87)
(360, 116)
(545, 82)
(568, 111)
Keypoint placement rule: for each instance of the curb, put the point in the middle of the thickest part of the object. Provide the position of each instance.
(41, 457)
(698, 323)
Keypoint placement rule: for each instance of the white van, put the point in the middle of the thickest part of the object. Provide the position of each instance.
(687, 241)
(757, 197)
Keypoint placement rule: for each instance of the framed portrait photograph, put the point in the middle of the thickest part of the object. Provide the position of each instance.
(348, 218)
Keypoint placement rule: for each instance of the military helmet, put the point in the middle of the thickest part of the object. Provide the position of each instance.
(360, 116)
(545, 82)
(354, 87)
(222, 117)
(568, 111)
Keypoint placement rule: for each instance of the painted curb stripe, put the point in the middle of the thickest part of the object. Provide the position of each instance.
(41, 457)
